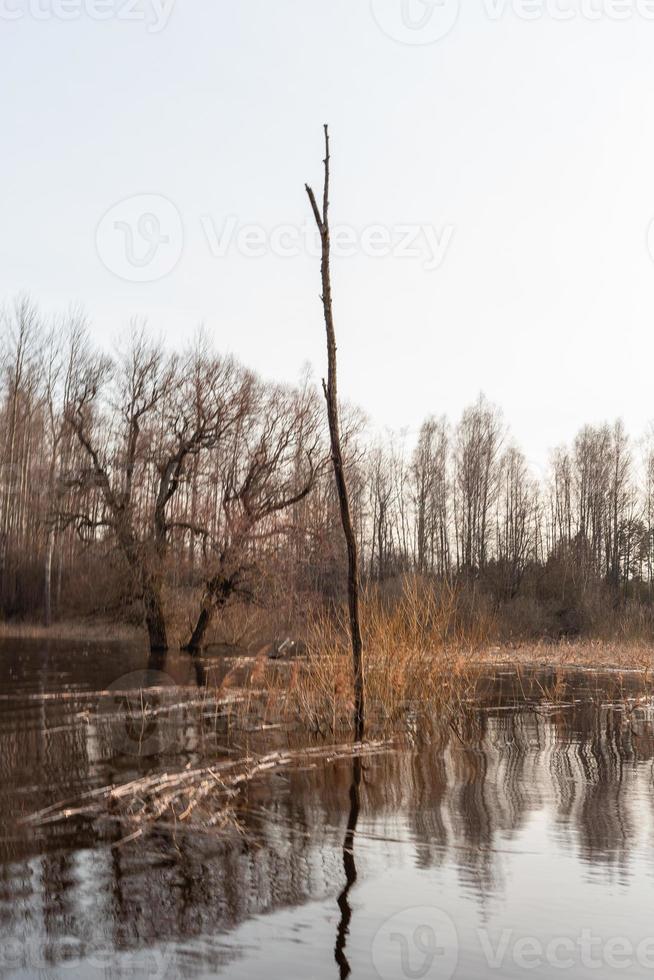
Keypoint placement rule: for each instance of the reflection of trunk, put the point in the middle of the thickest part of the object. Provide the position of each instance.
(350, 868)
(157, 660)
(154, 615)
(49, 551)
(217, 593)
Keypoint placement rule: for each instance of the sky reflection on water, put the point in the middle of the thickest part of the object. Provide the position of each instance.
(521, 844)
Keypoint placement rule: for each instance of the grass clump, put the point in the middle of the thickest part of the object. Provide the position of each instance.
(414, 661)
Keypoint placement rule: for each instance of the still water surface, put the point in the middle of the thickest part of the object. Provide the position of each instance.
(517, 843)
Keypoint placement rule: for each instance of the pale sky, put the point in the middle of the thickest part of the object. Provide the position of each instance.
(517, 153)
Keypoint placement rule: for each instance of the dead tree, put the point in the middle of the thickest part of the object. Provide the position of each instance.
(270, 465)
(160, 414)
(331, 396)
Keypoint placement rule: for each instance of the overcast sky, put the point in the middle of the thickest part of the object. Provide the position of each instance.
(493, 183)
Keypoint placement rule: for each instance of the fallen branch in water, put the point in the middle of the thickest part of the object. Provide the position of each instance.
(208, 793)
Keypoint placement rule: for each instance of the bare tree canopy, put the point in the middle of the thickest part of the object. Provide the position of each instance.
(151, 480)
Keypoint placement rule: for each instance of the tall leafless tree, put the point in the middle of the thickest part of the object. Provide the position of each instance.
(321, 216)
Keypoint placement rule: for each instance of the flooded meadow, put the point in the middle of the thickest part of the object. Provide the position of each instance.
(513, 838)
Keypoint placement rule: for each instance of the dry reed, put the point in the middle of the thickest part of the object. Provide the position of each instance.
(413, 661)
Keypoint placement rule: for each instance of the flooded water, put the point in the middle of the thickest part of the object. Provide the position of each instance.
(517, 842)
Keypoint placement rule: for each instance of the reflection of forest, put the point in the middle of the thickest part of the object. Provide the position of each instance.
(457, 795)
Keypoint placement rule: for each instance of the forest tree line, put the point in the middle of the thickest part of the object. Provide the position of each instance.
(130, 477)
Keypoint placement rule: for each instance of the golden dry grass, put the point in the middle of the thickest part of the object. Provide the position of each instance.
(410, 660)
(620, 654)
(419, 656)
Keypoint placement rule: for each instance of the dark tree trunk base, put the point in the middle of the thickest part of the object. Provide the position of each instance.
(155, 620)
(197, 637)
(217, 594)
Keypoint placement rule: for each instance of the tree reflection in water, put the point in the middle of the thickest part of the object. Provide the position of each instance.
(447, 806)
(350, 868)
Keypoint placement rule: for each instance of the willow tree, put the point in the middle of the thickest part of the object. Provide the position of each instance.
(269, 464)
(140, 419)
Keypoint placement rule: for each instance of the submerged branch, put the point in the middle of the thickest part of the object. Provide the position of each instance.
(209, 794)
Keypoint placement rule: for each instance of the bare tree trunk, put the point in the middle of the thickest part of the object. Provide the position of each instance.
(331, 396)
(200, 629)
(216, 595)
(154, 616)
(49, 550)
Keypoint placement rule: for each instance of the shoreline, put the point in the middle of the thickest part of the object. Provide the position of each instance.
(582, 652)
(96, 630)
(636, 655)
